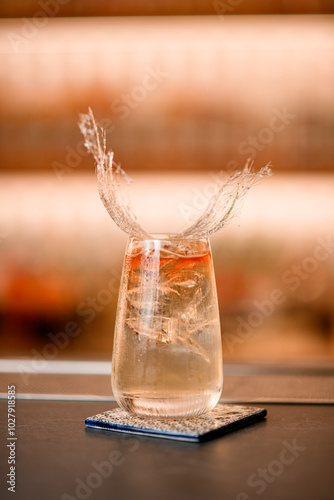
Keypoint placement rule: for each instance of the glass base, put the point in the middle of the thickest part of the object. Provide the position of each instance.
(169, 407)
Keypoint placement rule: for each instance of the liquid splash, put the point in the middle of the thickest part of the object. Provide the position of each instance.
(114, 186)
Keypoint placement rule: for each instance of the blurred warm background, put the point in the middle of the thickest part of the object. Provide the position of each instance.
(184, 89)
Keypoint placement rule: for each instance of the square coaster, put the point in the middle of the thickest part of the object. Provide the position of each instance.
(222, 419)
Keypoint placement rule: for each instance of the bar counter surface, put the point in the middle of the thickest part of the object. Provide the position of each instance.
(288, 455)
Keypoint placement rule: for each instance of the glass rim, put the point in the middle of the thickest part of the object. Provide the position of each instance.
(167, 237)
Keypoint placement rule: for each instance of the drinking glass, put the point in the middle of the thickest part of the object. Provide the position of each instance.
(167, 356)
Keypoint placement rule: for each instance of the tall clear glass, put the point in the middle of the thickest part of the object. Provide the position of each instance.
(167, 356)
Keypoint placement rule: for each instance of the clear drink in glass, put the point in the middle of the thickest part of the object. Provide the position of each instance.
(167, 356)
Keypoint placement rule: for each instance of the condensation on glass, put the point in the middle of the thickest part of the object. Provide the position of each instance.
(167, 357)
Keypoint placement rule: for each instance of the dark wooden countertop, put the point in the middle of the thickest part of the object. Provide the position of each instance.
(56, 456)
